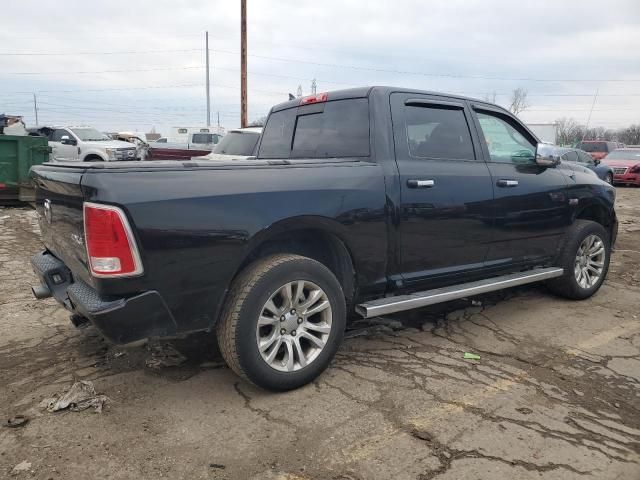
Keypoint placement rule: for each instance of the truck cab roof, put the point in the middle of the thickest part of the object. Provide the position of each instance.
(362, 92)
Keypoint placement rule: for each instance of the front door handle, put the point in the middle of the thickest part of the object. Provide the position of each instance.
(414, 183)
(507, 183)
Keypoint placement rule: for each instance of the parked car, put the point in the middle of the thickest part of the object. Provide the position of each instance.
(625, 163)
(197, 145)
(372, 199)
(597, 149)
(574, 155)
(239, 144)
(85, 144)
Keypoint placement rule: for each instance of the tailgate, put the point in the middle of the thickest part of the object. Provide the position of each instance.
(59, 202)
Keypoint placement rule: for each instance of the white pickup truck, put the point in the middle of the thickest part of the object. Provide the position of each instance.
(86, 144)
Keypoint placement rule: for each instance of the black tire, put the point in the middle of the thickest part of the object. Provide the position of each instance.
(93, 158)
(236, 329)
(567, 285)
(609, 179)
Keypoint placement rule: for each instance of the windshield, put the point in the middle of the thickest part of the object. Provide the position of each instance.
(624, 155)
(593, 146)
(89, 134)
(238, 143)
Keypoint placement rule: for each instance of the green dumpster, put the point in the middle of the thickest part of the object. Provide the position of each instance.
(17, 155)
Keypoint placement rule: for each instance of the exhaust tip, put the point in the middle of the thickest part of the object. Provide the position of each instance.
(40, 292)
(78, 320)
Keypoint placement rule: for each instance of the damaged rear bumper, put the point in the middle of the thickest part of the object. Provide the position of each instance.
(120, 320)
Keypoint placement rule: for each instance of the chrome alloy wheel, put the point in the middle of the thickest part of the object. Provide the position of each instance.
(294, 326)
(589, 262)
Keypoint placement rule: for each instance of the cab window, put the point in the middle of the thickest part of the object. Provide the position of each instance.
(506, 144)
(57, 135)
(438, 132)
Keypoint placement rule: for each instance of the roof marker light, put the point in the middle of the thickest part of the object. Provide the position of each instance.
(320, 97)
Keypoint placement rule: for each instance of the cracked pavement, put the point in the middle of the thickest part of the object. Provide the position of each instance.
(555, 394)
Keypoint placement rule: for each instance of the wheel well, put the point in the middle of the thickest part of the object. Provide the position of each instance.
(319, 245)
(91, 157)
(595, 214)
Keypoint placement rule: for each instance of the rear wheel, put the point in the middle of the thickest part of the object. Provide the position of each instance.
(283, 322)
(585, 259)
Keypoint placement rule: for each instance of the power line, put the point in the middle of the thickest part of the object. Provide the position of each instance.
(93, 72)
(123, 52)
(332, 65)
(408, 72)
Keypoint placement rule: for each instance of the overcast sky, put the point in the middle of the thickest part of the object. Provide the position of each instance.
(133, 65)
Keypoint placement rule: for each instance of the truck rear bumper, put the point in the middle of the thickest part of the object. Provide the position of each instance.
(120, 320)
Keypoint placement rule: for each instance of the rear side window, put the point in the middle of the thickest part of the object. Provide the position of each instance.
(434, 132)
(339, 129)
(570, 156)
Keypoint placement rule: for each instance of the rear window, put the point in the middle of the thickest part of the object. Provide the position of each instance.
(593, 146)
(238, 143)
(337, 129)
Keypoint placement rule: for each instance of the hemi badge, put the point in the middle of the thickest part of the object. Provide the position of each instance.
(573, 201)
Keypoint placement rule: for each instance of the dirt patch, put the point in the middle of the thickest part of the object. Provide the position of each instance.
(555, 393)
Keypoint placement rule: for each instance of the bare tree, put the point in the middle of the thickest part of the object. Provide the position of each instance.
(490, 97)
(258, 122)
(630, 135)
(518, 102)
(569, 132)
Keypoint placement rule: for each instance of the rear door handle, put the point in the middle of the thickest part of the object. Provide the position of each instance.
(507, 183)
(414, 183)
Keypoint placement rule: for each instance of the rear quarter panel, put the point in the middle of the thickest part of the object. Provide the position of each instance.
(195, 227)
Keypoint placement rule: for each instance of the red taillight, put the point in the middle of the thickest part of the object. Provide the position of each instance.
(321, 97)
(111, 248)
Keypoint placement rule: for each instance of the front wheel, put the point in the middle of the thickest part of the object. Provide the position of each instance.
(585, 259)
(283, 322)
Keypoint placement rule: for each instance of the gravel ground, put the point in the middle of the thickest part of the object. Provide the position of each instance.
(555, 394)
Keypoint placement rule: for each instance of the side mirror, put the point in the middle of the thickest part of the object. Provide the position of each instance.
(547, 155)
(597, 161)
(65, 140)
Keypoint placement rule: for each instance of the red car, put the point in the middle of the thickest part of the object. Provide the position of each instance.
(598, 149)
(626, 165)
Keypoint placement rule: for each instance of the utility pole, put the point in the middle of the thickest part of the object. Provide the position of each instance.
(586, 128)
(314, 87)
(243, 63)
(218, 119)
(206, 44)
(35, 107)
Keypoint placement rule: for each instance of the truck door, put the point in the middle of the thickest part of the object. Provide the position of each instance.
(59, 150)
(531, 209)
(446, 191)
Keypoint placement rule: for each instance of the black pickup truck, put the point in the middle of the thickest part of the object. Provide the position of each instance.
(373, 200)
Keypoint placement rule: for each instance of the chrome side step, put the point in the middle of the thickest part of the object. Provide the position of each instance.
(382, 306)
